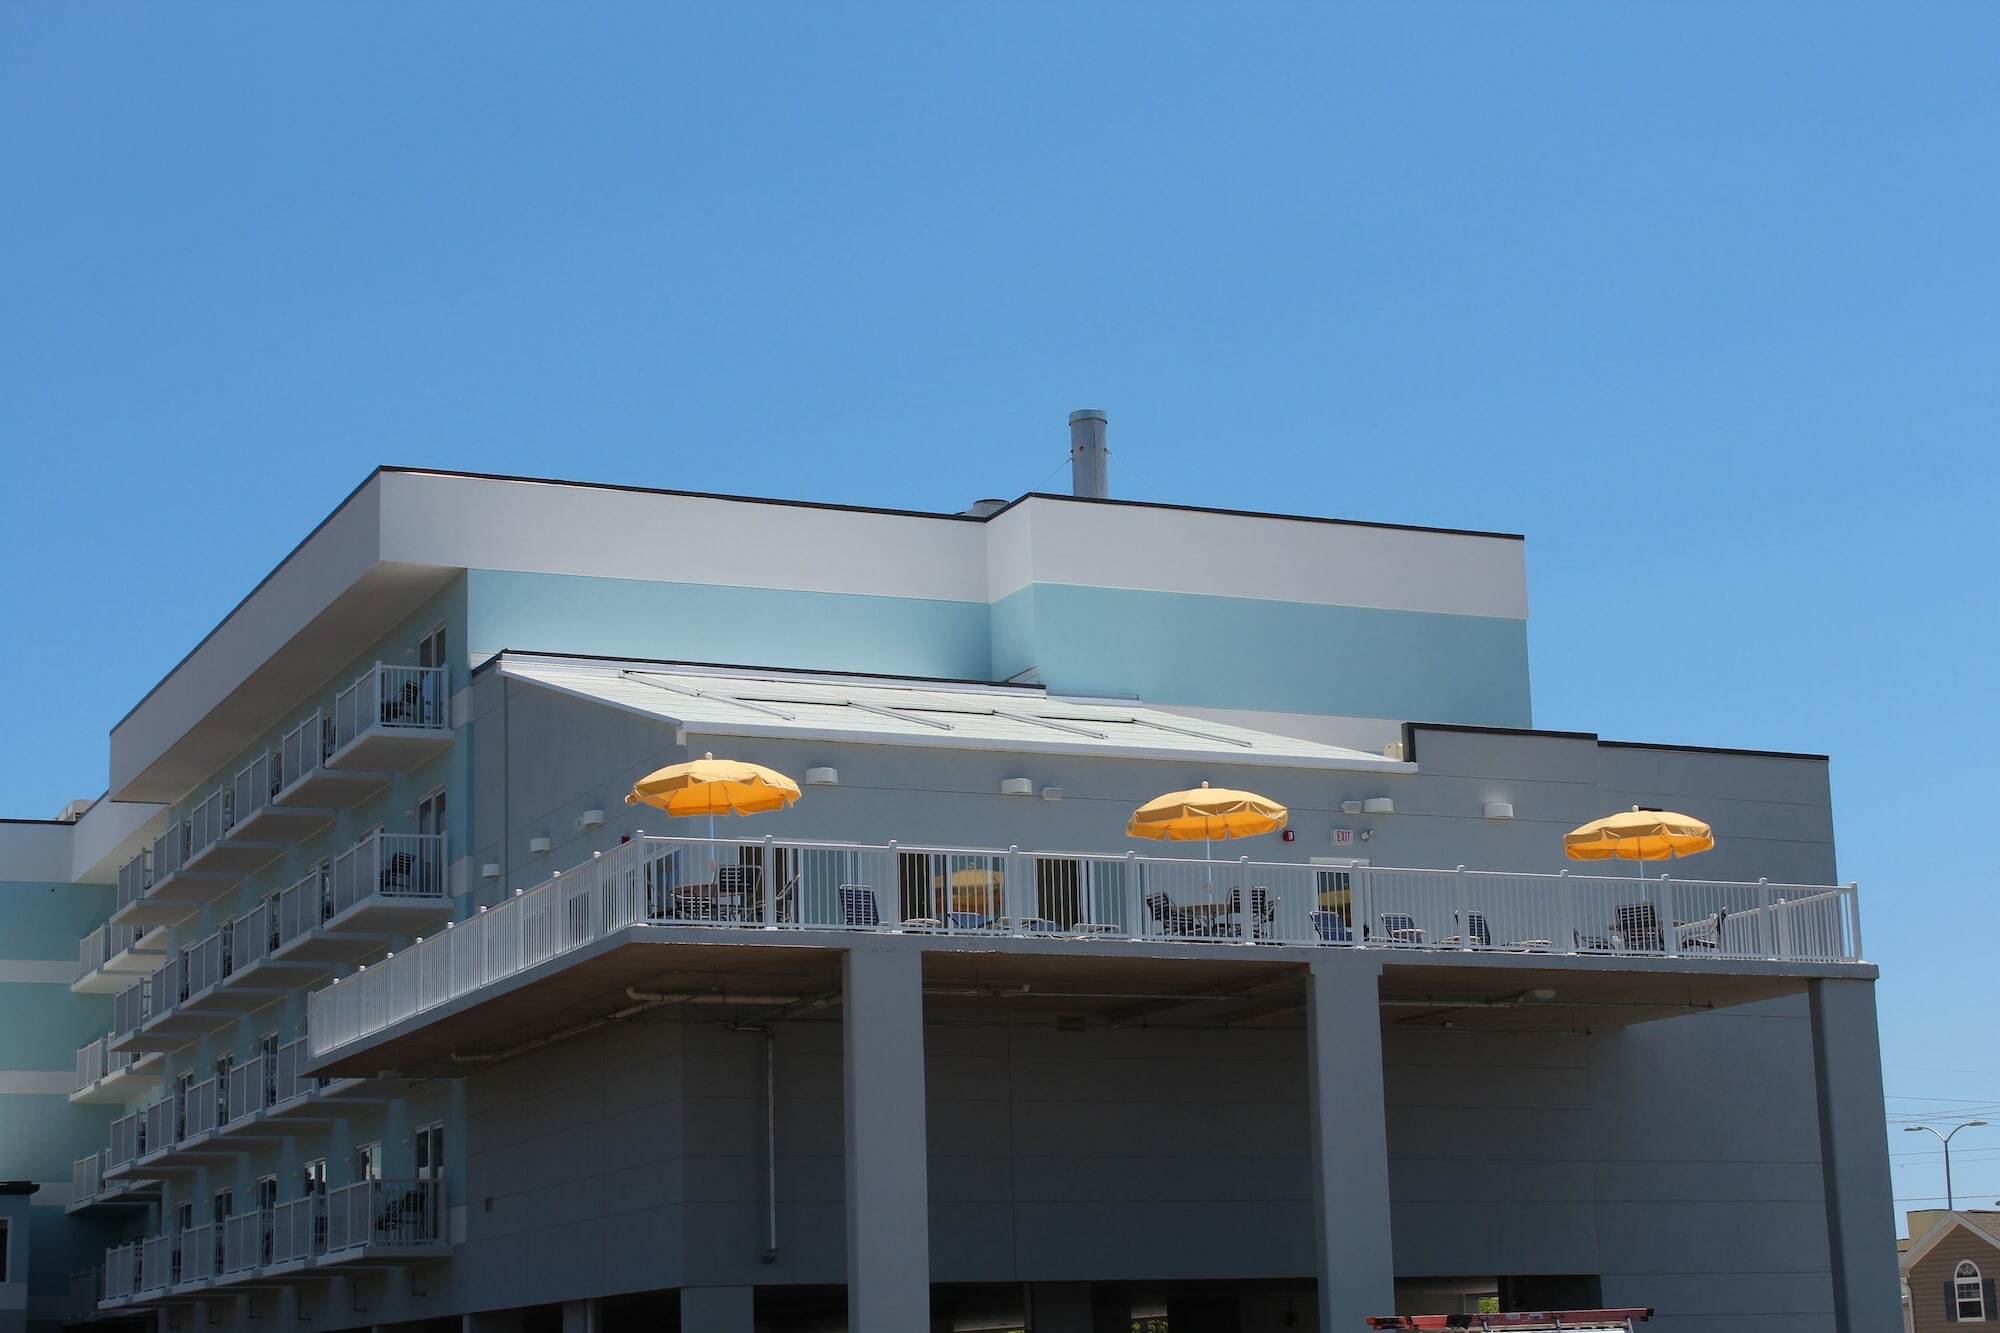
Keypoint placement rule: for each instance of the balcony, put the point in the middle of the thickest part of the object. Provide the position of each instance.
(391, 719)
(108, 958)
(261, 817)
(136, 905)
(139, 1272)
(386, 885)
(1162, 905)
(106, 1078)
(305, 781)
(155, 1015)
(90, 1191)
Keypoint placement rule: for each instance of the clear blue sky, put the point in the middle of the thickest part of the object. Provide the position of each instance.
(1703, 299)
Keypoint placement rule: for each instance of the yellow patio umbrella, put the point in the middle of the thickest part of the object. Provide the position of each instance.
(711, 786)
(1638, 835)
(1207, 813)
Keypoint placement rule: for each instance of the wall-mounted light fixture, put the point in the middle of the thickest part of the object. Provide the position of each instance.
(1017, 786)
(1378, 805)
(1498, 810)
(822, 777)
(538, 846)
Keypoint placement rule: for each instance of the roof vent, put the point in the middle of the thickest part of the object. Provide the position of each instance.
(984, 508)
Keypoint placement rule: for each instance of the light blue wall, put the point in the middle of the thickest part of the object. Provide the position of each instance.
(1166, 648)
(713, 623)
(1285, 657)
(45, 921)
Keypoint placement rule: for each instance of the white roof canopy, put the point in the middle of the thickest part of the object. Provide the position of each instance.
(875, 711)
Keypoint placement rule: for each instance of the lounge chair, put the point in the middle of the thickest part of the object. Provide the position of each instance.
(858, 906)
(1401, 928)
(1475, 927)
(1639, 924)
(1331, 927)
(1263, 910)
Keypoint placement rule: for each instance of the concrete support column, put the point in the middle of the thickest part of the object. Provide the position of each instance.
(888, 1184)
(580, 1317)
(717, 1309)
(1350, 1146)
(1854, 1156)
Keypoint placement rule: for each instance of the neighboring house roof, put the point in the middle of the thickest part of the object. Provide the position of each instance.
(888, 711)
(1982, 1226)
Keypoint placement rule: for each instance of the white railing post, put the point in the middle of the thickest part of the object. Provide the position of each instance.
(1854, 918)
(1464, 909)
(1670, 937)
(1135, 907)
(1565, 915)
(1767, 926)
(1783, 925)
(769, 875)
(1246, 915)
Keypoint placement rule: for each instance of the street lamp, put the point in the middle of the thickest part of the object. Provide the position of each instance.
(1945, 1139)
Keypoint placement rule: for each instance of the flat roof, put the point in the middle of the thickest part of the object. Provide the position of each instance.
(923, 713)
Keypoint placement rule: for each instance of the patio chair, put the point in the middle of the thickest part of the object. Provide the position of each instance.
(1639, 924)
(1331, 927)
(1703, 933)
(1590, 943)
(1263, 910)
(1401, 928)
(398, 869)
(1161, 909)
(1475, 927)
(858, 906)
(404, 708)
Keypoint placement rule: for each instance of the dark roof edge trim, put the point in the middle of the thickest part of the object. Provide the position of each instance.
(1411, 728)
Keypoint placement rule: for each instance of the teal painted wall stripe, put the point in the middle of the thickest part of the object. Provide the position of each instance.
(702, 622)
(46, 920)
(1228, 652)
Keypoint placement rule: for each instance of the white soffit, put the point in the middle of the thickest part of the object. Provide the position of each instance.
(923, 713)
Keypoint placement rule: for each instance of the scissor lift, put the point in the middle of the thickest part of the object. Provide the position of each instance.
(1521, 1321)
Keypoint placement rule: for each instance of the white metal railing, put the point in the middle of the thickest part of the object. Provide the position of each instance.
(203, 1110)
(132, 1006)
(86, 1177)
(298, 1229)
(170, 851)
(305, 904)
(394, 865)
(403, 698)
(204, 963)
(251, 1087)
(128, 1140)
(200, 1253)
(256, 783)
(160, 1125)
(788, 885)
(135, 877)
(159, 1262)
(210, 821)
(121, 1270)
(384, 1212)
(100, 946)
(246, 1241)
(286, 1083)
(251, 936)
(92, 1063)
(303, 749)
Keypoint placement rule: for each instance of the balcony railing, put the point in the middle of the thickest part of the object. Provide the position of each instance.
(303, 749)
(389, 1213)
(210, 821)
(135, 877)
(122, 1271)
(92, 1063)
(246, 1242)
(170, 850)
(395, 697)
(132, 1007)
(86, 1177)
(200, 1254)
(394, 865)
(100, 946)
(962, 891)
(256, 783)
(251, 936)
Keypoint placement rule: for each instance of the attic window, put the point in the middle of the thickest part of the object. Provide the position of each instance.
(1968, 1293)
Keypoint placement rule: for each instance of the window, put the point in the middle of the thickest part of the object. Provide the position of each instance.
(430, 649)
(225, 1207)
(267, 1193)
(368, 1162)
(1968, 1294)
(312, 1177)
(430, 1151)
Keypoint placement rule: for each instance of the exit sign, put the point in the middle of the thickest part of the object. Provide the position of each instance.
(1343, 837)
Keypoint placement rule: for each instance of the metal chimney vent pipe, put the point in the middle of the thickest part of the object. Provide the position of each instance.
(1089, 460)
